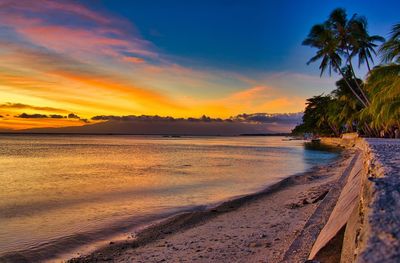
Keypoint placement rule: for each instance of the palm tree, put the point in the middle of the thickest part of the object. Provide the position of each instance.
(363, 44)
(383, 84)
(327, 43)
(390, 50)
(316, 115)
(350, 33)
(340, 40)
(347, 108)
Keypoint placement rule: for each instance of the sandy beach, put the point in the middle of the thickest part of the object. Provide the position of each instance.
(268, 226)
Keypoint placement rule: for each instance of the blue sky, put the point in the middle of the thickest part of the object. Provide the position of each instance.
(251, 35)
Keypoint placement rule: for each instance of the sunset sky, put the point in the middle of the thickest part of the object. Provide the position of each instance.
(168, 58)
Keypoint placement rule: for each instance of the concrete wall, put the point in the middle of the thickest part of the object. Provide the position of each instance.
(378, 231)
(372, 231)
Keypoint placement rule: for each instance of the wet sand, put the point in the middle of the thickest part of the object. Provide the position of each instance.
(264, 227)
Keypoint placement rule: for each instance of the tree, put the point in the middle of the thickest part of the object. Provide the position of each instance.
(324, 39)
(370, 106)
(347, 107)
(341, 37)
(383, 84)
(353, 40)
(363, 44)
(333, 113)
(390, 50)
(316, 116)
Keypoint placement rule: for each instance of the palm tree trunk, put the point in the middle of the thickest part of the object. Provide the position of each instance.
(348, 84)
(371, 132)
(369, 68)
(334, 129)
(365, 131)
(355, 78)
(358, 86)
(391, 133)
(376, 131)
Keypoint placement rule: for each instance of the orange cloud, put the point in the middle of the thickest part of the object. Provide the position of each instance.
(138, 95)
(257, 92)
(284, 104)
(134, 60)
(20, 106)
(254, 99)
(13, 123)
(47, 75)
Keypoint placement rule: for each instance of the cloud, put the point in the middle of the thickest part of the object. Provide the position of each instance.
(82, 32)
(139, 94)
(134, 60)
(260, 98)
(80, 79)
(100, 44)
(31, 116)
(47, 5)
(56, 116)
(250, 118)
(257, 92)
(15, 123)
(9, 105)
(65, 54)
(73, 116)
(51, 116)
(282, 104)
(270, 118)
(258, 123)
(146, 118)
(154, 124)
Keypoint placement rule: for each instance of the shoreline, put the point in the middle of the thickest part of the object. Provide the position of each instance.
(180, 223)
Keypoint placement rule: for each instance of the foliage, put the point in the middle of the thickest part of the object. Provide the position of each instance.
(369, 106)
(315, 118)
(390, 51)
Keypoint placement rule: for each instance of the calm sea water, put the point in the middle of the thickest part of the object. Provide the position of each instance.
(58, 192)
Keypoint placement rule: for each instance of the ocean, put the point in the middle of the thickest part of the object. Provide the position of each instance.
(63, 193)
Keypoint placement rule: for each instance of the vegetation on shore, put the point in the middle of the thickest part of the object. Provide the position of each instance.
(370, 106)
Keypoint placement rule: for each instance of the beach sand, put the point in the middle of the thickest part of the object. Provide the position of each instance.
(278, 224)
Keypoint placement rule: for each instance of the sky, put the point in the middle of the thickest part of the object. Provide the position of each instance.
(63, 62)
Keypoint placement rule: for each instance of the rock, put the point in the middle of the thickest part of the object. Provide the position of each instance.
(255, 244)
